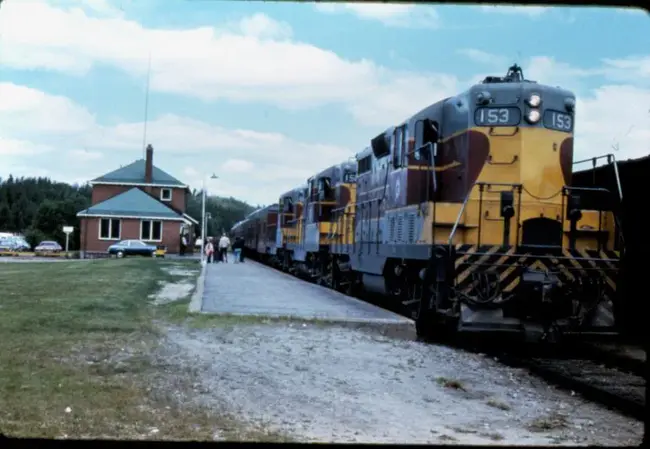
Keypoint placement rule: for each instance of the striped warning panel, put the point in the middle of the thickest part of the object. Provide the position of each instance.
(508, 263)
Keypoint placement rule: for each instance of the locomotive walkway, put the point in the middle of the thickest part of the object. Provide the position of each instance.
(253, 289)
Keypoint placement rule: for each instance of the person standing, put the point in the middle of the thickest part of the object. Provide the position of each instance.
(209, 251)
(183, 244)
(224, 244)
(237, 248)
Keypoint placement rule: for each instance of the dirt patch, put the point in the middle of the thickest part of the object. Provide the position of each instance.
(180, 271)
(314, 383)
(171, 292)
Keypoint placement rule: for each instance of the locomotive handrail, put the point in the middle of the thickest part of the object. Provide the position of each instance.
(568, 189)
(460, 214)
(588, 189)
(611, 159)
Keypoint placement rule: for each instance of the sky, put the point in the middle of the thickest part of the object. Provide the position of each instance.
(264, 95)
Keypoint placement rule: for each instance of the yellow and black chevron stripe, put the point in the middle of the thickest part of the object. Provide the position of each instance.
(507, 263)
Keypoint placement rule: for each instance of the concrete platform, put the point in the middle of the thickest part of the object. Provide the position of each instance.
(252, 289)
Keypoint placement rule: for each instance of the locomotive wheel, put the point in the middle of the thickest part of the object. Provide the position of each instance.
(335, 282)
(429, 323)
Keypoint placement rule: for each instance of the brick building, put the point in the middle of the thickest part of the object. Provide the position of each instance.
(138, 201)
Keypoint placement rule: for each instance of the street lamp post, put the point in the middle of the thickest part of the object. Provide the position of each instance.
(203, 227)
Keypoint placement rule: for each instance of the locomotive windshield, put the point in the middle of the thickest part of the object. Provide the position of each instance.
(324, 189)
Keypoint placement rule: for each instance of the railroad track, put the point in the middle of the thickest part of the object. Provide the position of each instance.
(610, 386)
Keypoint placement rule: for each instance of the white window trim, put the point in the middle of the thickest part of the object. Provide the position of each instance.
(165, 189)
(150, 231)
(110, 224)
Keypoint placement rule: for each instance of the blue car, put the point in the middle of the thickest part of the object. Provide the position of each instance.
(132, 248)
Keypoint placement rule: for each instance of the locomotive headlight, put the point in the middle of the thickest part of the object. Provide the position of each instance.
(533, 116)
(534, 100)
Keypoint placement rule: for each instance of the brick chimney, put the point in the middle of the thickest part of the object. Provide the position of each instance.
(148, 167)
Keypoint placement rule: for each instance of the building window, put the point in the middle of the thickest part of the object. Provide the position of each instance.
(109, 229)
(165, 194)
(151, 230)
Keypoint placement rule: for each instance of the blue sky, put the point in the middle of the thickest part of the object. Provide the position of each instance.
(265, 94)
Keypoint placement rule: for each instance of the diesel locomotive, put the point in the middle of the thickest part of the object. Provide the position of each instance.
(465, 216)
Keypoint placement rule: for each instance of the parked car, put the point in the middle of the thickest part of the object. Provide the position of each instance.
(48, 246)
(7, 245)
(20, 244)
(134, 248)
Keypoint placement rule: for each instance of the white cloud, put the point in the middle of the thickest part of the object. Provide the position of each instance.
(261, 26)
(84, 156)
(614, 114)
(633, 10)
(14, 147)
(20, 106)
(482, 57)
(530, 11)
(634, 69)
(393, 15)
(251, 61)
(256, 166)
(237, 166)
(547, 70)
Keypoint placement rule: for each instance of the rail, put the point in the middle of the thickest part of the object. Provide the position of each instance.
(458, 218)
(617, 221)
(611, 159)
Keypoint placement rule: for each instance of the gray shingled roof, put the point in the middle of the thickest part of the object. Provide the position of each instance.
(134, 172)
(132, 203)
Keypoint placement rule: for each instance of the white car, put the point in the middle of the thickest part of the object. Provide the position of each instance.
(48, 246)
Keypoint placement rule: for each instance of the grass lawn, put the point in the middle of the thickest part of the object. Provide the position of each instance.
(74, 345)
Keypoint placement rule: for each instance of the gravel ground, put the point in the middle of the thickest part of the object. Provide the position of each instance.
(327, 383)
(336, 384)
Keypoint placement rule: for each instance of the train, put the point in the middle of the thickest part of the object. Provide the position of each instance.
(463, 217)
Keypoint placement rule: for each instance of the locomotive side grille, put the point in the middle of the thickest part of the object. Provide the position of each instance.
(391, 229)
(400, 228)
(411, 228)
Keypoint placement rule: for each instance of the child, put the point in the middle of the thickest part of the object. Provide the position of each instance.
(209, 250)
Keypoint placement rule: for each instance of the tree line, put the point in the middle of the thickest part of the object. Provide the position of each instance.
(38, 208)
(221, 213)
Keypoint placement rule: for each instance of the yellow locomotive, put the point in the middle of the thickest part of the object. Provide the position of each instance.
(464, 215)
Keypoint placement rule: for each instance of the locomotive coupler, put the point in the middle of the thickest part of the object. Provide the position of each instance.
(540, 287)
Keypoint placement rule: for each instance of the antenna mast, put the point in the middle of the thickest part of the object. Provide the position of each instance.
(146, 109)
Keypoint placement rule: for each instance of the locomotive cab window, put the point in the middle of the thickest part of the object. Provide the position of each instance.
(312, 191)
(288, 205)
(398, 147)
(426, 132)
(364, 165)
(325, 191)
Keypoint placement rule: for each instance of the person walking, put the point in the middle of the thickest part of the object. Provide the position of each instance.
(224, 244)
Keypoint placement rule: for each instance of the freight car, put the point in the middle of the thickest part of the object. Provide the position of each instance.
(624, 176)
(465, 215)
